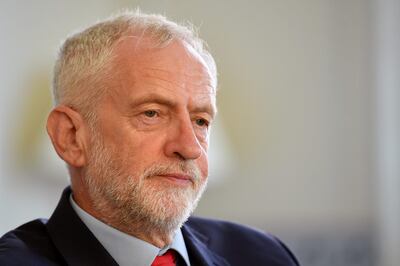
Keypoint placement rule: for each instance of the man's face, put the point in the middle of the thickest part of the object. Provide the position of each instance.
(148, 154)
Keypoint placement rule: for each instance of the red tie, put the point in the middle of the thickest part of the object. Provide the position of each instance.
(168, 259)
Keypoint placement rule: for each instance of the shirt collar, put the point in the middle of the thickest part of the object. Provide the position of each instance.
(124, 248)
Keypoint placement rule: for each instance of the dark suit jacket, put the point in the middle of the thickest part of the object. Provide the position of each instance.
(65, 240)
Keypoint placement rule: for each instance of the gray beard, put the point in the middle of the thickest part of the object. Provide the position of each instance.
(134, 201)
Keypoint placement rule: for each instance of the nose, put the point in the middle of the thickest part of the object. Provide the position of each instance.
(182, 141)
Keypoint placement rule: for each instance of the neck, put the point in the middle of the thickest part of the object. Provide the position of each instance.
(157, 238)
(136, 227)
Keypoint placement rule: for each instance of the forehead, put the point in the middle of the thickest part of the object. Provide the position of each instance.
(175, 66)
(136, 53)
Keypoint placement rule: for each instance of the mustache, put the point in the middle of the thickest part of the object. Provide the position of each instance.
(188, 168)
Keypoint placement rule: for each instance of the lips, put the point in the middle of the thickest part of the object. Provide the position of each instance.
(177, 177)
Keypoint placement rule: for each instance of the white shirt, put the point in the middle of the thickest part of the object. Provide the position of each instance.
(125, 249)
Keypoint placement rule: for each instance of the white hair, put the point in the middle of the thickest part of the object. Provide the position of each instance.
(83, 64)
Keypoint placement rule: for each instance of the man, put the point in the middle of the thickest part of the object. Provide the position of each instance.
(135, 97)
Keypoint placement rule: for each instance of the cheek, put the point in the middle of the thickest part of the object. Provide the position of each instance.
(141, 150)
(202, 163)
(203, 160)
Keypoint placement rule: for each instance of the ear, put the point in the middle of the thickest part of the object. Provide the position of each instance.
(68, 133)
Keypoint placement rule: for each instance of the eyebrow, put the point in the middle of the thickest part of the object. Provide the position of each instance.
(152, 98)
(156, 98)
(206, 109)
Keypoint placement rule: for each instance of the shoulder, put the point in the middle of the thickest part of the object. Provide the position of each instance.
(28, 244)
(234, 239)
(232, 231)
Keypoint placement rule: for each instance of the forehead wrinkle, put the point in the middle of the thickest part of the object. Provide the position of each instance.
(164, 83)
(196, 79)
(153, 71)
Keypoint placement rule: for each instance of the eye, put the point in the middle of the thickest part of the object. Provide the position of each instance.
(150, 113)
(201, 122)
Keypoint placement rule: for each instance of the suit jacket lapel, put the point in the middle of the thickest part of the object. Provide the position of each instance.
(73, 239)
(199, 253)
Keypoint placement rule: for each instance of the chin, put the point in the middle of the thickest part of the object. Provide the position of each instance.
(165, 209)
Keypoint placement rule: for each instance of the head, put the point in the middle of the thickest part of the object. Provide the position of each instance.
(84, 59)
(135, 99)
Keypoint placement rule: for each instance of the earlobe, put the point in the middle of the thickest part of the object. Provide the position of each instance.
(67, 132)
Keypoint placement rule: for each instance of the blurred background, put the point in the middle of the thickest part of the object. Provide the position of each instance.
(306, 144)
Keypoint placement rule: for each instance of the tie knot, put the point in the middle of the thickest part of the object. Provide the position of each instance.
(167, 259)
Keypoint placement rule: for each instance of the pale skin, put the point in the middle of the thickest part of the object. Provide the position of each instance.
(159, 108)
